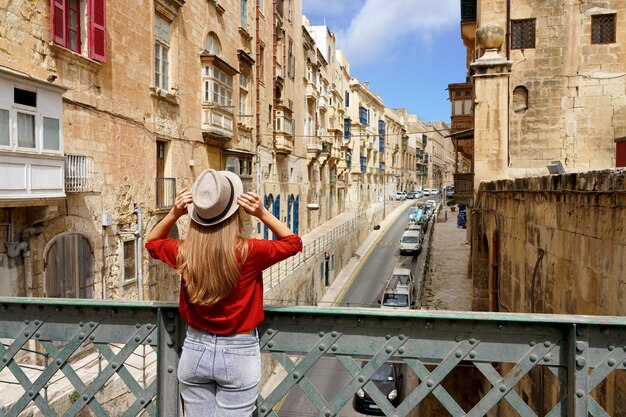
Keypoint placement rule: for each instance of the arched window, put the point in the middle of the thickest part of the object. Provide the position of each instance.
(212, 44)
(68, 267)
(520, 99)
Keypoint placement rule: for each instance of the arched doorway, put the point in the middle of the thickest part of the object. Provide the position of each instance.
(68, 267)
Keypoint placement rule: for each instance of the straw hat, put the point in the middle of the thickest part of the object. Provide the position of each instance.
(214, 196)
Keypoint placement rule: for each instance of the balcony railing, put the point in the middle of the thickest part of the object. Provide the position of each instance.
(78, 173)
(89, 350)
(165, 192)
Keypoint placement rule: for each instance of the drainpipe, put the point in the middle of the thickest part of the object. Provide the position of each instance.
(139, 254)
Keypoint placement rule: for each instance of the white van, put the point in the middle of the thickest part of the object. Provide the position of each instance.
(411, 242)
(398, 292)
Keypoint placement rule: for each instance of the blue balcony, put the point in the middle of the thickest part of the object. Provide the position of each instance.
(381, 145)
(579, 353)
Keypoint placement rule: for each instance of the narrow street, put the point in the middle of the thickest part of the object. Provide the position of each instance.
(365, 290)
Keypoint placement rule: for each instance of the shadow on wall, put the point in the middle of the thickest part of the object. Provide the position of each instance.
(9, 275)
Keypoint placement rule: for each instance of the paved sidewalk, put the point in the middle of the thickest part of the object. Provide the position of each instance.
(447, 285)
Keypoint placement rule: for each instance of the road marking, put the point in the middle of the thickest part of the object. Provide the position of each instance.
(342, 294)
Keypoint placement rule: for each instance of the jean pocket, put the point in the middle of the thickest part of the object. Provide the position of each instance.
(243, 365)
(189, 362)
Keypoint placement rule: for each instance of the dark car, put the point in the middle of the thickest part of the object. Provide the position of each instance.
(450, 192)
(388, 379)
(411, 196)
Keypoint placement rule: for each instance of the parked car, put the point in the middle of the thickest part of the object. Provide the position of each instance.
(434, 191)
(426, 192)
(398, 195)
(418, 228)
(410, 196)
(388, 379)
(431, 202)
(450, 192)
(418, 194)
(411, 242)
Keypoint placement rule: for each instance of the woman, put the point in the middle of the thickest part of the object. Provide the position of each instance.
(221, 293)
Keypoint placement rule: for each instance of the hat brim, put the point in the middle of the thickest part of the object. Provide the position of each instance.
(237, 190)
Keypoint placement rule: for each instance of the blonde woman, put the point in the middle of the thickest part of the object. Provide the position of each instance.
(221, 294)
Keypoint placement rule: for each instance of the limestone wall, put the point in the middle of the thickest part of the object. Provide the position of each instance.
(552, 244)
(575, 89)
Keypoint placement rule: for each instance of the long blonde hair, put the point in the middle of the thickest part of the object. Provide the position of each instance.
(208, 261)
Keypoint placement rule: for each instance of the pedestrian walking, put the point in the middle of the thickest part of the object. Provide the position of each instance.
(221, 293)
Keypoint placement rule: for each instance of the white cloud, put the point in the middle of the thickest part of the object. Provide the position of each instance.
(381, 26)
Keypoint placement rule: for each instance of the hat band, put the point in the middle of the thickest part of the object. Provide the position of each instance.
(223, 213)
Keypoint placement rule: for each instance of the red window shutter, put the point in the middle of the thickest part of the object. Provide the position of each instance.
(97, 30)
(57, 21)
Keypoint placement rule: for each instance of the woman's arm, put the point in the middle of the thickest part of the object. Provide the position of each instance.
(161, 230)
(252, 205)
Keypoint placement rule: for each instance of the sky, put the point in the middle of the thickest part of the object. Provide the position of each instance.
(408, 50)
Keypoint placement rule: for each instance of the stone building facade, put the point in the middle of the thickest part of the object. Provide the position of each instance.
(105, 115)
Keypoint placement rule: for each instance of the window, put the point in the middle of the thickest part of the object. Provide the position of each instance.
(523, 34)
(603, 28)
(212, 45)
(31, 120)
(4, 128)
(347, 127)
(25, 130)
(347, 99)
(261, 63)
(243, 100)
(291, 60)
(261, 6)
(244, 14)
(363, 115)
(129, 259)
(161, 52)
(51, 139)
(289, 10)
(218, 87)
(80, 23)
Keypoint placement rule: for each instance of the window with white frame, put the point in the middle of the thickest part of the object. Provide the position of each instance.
(218, 87)
(128, 258)
(162, 39)
(23, 125)
(243, 99)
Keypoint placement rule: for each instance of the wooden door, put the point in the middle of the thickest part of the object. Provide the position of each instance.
(68, 268)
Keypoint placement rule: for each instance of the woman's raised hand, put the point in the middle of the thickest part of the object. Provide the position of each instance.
(251, 203)
(180, 203)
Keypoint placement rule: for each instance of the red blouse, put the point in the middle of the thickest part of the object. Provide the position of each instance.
(242, 309)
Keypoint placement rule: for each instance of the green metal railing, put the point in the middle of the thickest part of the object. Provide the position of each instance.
(581, 352)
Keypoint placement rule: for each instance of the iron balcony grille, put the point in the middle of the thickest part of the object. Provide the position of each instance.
(165, 192)
(78, 173)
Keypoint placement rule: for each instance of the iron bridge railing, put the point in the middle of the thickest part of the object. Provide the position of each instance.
(581, 352)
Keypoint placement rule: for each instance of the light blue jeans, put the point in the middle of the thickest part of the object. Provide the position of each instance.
(219, 376)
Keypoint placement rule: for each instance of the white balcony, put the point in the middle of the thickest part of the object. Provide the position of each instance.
(217, 123)
(311, 91)
(322, 103)
(30, 178)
